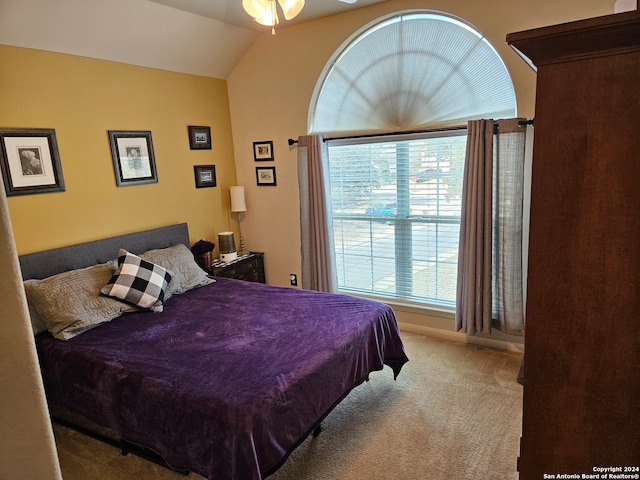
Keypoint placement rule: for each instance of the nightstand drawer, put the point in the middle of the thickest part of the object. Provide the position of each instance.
(249, 267)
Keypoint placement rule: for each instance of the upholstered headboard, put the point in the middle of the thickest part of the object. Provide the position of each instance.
(49, 262)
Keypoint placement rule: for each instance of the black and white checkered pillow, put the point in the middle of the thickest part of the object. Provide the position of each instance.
(138, 282)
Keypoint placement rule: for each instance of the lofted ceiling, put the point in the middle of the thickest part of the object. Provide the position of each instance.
(200, 37)
(232, 13)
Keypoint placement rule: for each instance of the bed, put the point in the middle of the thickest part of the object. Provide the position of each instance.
(226, 378)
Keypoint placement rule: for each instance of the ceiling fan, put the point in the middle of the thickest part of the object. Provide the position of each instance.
(265, 13)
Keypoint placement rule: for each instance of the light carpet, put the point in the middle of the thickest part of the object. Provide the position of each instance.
(454, 413)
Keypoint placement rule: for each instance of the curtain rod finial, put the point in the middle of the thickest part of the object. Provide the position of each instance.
(524, 123)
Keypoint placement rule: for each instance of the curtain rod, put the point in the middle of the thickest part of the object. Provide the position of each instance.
(522, 123)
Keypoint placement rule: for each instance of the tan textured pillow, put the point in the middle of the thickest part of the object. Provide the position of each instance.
(70, 302)
(178, 259)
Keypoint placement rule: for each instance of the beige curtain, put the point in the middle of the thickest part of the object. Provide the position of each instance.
(508, 182)
(316, 233)
(473, 297)
(489, 290)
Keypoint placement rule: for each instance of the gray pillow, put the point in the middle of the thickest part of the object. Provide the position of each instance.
(37, 324)
(70, 302)
(179, 260)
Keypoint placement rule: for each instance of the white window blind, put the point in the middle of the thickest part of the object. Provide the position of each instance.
(396, 199)
(396, 214)
(408, 71)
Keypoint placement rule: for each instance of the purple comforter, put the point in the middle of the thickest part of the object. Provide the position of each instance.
(229, 379)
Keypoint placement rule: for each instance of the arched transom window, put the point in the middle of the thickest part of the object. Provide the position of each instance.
(411, 70)
(396, 198)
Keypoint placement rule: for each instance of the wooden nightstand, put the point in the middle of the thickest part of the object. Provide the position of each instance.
(248, 267)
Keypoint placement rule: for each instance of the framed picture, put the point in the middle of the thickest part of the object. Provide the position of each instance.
(200, 138)
(30, 161)
(133, 159)
(263, 151)
(266, 176)
(205, 175)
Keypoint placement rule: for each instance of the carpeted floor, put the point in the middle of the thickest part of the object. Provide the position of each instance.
(453, 414)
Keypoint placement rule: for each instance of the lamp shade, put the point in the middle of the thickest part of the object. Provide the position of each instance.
(255, 8)
(262, 11)
(291, 8)
(237, 199)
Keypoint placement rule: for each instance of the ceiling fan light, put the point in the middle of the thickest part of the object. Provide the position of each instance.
(255, 8)
(291, 8)
(268, 18)
(262, 11)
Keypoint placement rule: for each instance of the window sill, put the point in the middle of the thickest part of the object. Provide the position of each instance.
(409, 307)
(439, 322)
(442, 312)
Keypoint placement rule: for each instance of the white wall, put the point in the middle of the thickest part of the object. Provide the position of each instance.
(137, 32)
(271, 88)
(27, 448)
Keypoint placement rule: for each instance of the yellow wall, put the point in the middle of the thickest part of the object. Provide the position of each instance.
(82, 99)
(270, 93)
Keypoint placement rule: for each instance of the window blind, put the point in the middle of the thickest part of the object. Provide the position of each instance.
(396, 205)
(411, 70)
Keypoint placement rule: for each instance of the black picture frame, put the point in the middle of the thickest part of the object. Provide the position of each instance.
(205, 176)
(263, 151)
(266, 176)
(134, 162)
(199, 138)
(30, 161)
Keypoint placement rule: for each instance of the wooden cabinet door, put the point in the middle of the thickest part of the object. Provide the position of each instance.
(581, 405)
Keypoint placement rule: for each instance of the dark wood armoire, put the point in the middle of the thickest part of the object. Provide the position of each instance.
(581, 407)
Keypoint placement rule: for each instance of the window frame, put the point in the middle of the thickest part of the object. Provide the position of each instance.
(314, 116)
(402, 222)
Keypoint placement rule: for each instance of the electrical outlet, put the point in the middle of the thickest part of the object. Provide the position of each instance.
(294, 280)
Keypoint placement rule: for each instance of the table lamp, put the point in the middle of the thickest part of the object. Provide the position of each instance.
(239, 206)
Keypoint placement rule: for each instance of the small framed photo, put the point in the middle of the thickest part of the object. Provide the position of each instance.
(200, 138)
(263, 151)
(30, 161)
(266, 176)
(133, 160)
(205, 175)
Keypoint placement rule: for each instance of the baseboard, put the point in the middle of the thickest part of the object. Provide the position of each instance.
(462, 337)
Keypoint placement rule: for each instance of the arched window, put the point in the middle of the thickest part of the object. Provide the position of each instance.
(408, 71)
(396, 199)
